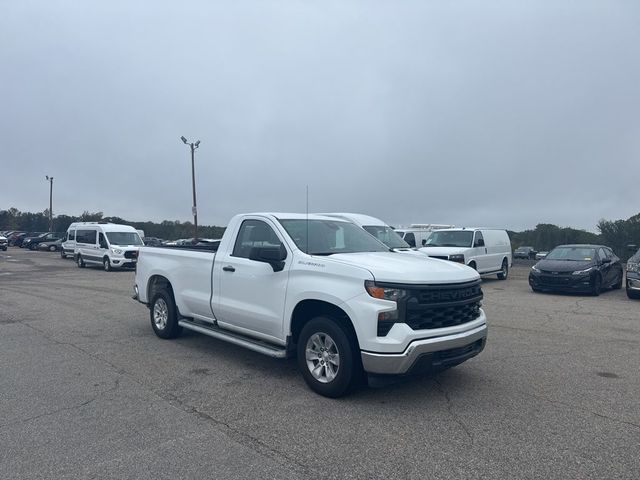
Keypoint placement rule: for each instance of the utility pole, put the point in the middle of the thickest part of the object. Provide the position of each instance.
(194, 209)
(50, 180)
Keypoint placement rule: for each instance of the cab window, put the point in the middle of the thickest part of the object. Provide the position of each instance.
(254, 233)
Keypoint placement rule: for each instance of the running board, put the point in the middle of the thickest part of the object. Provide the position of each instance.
(227, 336)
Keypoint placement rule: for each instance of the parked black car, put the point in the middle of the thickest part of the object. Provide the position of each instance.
(633, 276)
(577, 268)
(18, 240)
(13, 236)
(32, 242)
(525, 252)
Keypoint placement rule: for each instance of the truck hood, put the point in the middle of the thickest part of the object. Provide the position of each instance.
(401, 267)
(443, 250)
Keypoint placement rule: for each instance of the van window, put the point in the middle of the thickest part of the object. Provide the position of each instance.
(410, 238)
(72, 235)
(479, 240)
(102, 241)
(86, 236)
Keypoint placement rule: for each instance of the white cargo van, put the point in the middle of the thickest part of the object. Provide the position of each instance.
(375, 227)
(417, 233)
(487, 250)
(107, 244)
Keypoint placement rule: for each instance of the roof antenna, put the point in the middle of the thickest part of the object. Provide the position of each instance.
(307, 222)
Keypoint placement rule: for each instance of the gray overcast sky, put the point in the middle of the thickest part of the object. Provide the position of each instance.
(473, 113)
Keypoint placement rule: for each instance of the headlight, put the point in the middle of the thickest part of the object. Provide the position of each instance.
(384, 293)
(535, 269)
(457, 258)
(633, 267)
(582, 272)
(117, 251)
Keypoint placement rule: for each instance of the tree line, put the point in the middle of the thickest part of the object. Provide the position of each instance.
(13, 219)
(617, 234)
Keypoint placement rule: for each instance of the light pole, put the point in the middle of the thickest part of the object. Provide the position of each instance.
(50, 180)
(194, 209)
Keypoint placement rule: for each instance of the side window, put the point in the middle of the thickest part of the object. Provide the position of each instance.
(86, 236)
(602, 253)
(254, 233)
(410, 238)
(72, 235)
(479, 240)
(102, 240)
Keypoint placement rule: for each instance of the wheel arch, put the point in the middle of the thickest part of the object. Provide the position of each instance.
(156, 284)
(306, 310)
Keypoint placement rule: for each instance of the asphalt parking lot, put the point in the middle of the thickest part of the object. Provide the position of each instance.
(88, 391)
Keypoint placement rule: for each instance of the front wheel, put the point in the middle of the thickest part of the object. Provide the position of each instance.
(504, 272)
(618, 284)
(326, 357)
(106, 264)
(52, 248)
(163, 313)
(62, 254)
(80, 262)
(633, 294)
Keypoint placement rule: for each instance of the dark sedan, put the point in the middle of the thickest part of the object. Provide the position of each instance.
(633, 276)
(577, 268)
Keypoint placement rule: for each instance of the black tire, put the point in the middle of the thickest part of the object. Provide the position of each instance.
(473, 265)
(33, 247)
(80, 261)
(52, 248)
(536, 290)
(340, 343)
(106, 264)
(618, 284)
(164, 315)
(505, 270)
(62, 254)
(596, 289)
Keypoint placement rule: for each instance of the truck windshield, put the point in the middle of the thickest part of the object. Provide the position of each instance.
(124, 238)
(387, 236)
(450, 239)
(326, 237)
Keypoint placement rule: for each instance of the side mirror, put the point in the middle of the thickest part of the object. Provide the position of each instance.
(103, 245)
(275, 256)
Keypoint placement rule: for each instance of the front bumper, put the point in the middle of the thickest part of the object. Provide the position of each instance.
(633, 281)
(428, 353)
(564, 283)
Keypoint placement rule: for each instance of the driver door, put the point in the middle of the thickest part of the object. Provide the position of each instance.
(251, 295)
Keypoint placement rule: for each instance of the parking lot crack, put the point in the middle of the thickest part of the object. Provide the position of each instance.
(80, 405)
(242, 437)
(453, 415)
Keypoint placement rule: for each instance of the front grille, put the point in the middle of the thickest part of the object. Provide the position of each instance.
(554, 280)
(131, 254)
(440, 306)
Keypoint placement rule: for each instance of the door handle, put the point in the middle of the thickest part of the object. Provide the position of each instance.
(228, 268)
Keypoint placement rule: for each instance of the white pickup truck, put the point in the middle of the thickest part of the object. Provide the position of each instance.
(321, 289)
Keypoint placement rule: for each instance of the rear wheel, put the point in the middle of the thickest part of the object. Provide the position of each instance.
(618, 284)
(33, 247)
(52, 248)
(504, 272)
(80, 261)
(163, 313)
(326, 357)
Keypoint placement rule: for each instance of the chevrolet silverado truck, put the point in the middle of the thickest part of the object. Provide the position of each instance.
(320, 289)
